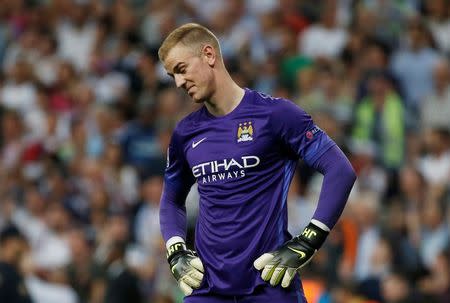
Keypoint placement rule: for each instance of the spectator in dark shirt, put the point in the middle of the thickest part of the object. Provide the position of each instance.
(12, 248)
(122, 284)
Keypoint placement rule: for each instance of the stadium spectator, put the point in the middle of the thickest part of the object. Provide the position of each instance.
(379, 120)
(435, 110)
(413, 66)
(325, 39)
(12, 285)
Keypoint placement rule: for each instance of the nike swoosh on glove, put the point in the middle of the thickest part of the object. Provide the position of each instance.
(282, 264)
(186, 267)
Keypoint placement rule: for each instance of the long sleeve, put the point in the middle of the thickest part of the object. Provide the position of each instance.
(338, 181)
(300, 136)
(177, 183)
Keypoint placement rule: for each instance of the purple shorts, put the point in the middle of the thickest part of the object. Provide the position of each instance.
(266, 294)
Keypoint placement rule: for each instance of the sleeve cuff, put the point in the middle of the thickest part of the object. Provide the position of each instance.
(318, 224)
(173, 240)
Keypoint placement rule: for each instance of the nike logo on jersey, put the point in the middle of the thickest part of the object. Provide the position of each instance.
(301, 253)
(195, 144)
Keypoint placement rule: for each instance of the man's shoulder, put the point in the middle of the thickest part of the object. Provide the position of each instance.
(278, 109)
(274, 105)
(268, 101)
(262, 97)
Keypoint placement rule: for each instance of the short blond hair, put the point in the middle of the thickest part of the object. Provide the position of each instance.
(192, 35)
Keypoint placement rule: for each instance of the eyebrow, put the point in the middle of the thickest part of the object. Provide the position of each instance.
(176, 68)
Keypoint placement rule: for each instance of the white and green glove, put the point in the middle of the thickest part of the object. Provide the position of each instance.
(282, 264)
(185, 266)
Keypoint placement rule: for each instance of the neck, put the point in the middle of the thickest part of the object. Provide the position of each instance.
(227, 97)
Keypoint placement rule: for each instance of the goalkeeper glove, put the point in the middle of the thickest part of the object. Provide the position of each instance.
(185, 266)
(283, 263)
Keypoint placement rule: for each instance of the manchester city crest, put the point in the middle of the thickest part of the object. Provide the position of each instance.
(245, 132)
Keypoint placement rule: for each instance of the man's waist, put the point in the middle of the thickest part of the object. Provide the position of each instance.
(229, 280)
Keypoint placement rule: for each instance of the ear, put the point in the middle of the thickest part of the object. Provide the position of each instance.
(209, 54)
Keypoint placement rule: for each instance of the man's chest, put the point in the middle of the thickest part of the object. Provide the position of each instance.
(228, 149)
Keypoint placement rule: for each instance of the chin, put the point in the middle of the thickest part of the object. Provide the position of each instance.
(197, 99)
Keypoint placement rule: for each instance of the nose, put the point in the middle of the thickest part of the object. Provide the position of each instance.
(179, 80)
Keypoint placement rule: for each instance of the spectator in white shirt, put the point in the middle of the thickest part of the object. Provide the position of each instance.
(76, 37)
(435, 109)
(435, 164)
(324, 39)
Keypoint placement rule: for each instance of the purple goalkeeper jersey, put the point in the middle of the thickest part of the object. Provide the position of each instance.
(243, 163)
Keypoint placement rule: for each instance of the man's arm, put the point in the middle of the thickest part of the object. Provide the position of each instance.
(178, 180)
(339, 177)
(185, 266)
(298, 133)
(338, 181)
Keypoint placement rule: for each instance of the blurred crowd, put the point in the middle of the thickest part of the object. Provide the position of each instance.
(87, 111)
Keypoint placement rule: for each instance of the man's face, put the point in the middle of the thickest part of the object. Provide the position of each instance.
(191, 71)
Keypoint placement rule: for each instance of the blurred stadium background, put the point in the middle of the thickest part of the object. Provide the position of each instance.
(87, 112)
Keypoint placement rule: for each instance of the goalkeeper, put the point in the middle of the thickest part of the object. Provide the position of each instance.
(241, 147)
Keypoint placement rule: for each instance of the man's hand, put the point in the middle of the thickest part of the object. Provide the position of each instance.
(186, 267)
(283, 263)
